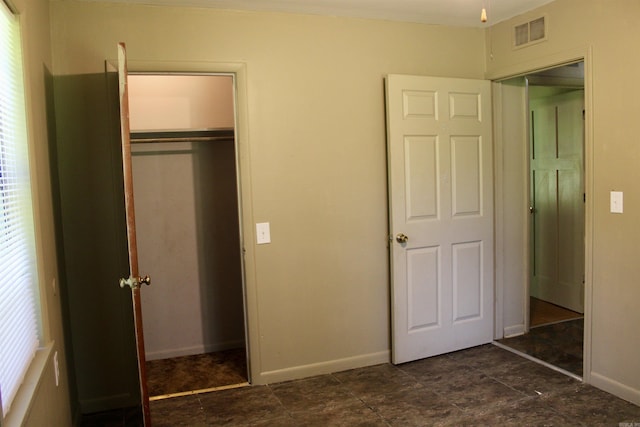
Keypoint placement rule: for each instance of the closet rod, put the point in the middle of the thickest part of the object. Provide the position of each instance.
(206, 135)
(183, 139)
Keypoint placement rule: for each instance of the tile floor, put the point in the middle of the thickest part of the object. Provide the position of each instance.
(556, 336)
(482, 386)
(200, 371)
(560, 344)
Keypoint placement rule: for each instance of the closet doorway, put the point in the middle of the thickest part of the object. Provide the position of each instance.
(557, 206)
(187, 217)
(555, 295)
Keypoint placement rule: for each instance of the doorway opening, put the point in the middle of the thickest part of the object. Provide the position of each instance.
(184, 161)
(554, 312)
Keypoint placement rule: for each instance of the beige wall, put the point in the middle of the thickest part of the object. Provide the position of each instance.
(50, 402)
(606, 33)
(317, 168)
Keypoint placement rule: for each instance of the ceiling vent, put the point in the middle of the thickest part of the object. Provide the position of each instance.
(530, 32)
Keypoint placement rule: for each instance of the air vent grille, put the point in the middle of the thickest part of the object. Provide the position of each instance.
(536, 29)
(522, 34)
(529, 32)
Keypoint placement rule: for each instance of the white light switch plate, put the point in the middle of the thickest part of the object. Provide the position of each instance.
(616, 202)
(263, 234)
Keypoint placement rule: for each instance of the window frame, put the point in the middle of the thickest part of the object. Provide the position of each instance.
(33, 374)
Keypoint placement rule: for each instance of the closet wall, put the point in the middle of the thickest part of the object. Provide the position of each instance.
(187, 216)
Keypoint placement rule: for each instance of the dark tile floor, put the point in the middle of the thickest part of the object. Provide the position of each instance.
(482, 386)
(200, 371)
(560, 344)
(129, 417)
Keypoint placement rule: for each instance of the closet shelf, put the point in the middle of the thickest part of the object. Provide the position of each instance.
(204, 135)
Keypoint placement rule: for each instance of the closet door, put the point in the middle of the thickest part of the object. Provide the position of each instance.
(134, 281)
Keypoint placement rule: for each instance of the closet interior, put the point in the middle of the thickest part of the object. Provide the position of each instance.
(187, 219)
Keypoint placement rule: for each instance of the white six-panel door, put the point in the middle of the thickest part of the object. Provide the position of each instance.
(440, 184)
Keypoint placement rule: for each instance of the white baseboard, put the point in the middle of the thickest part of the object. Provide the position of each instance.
(513, 331)
(304, 371)
(197, 349)
(614, 387)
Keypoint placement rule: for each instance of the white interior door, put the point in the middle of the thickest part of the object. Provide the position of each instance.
(441, 214)
(557, 193)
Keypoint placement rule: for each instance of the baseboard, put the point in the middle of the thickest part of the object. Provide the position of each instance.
(198, 349)
(614, 387)
(304, 371)
(513, 331)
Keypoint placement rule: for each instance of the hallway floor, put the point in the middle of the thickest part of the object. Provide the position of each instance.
(485, 385)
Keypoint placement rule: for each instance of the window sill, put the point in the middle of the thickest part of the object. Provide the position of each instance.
(24, 398)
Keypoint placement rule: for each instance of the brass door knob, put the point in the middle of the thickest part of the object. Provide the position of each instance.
(135, 282)
(402, 238)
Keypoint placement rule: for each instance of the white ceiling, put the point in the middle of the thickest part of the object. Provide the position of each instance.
(464, 13)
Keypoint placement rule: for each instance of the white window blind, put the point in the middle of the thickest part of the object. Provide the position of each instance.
(18, 321)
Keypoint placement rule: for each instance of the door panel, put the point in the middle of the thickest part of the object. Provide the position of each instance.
(467, 274)
(423, 288)
(466, 163)
(440, 196)
(557, 189)
(545, 248)
(421, 160)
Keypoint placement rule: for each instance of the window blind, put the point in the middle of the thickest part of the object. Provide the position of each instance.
(18, 321)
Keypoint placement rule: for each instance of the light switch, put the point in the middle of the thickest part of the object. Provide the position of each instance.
(263, 234)
(616, 202)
